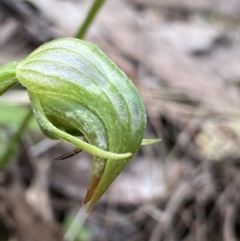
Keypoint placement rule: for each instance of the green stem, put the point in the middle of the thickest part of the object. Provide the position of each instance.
(90, 17)
(11, 147)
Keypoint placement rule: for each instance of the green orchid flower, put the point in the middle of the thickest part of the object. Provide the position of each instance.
(77, 91)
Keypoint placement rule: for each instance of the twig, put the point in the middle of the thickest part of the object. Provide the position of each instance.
(90, 17)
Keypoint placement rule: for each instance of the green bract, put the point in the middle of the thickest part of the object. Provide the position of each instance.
(75, 90)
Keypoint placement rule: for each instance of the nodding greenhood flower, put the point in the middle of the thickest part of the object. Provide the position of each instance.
(76, 90)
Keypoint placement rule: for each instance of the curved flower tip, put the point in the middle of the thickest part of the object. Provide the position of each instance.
(76, 90)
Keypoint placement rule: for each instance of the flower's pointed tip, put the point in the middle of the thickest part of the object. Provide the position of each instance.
(91, 189)
(89, 202)
(89, 209)
(91, 205)
(149, 141)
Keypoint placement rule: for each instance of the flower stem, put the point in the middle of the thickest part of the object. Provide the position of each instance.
(90, 17)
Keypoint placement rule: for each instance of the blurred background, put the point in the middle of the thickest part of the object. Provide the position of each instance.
(184, 58)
